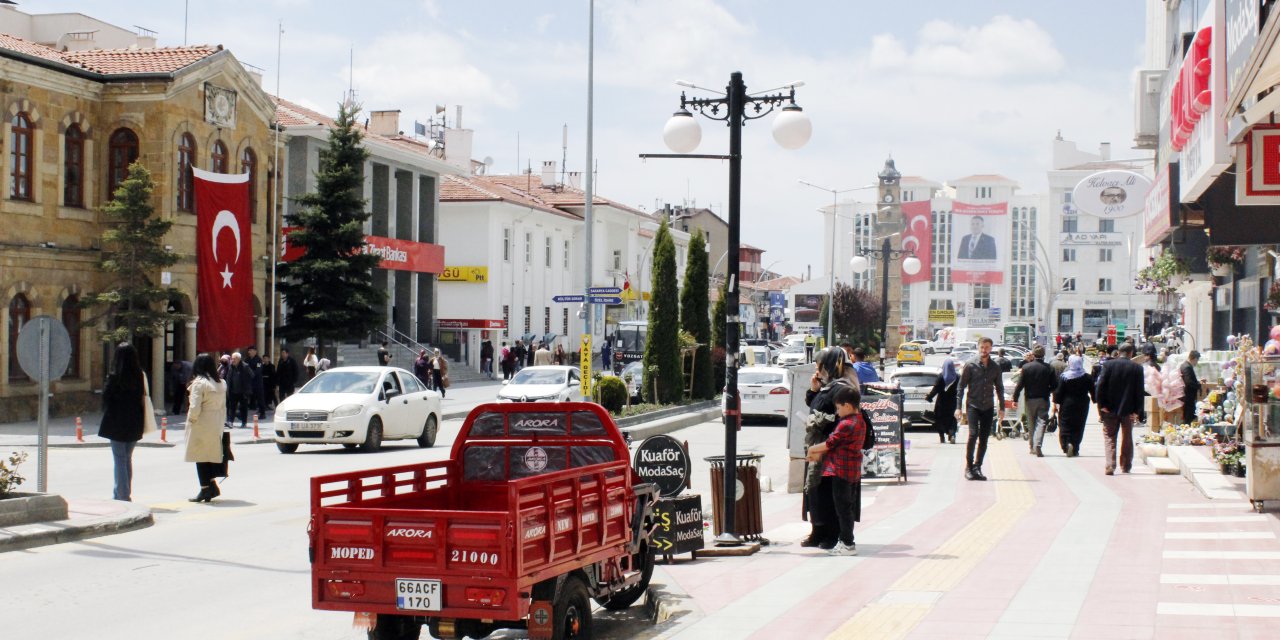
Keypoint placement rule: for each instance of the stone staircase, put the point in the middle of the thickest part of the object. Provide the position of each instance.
(353, 355)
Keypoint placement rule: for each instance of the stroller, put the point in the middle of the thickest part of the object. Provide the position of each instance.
(1013, 425)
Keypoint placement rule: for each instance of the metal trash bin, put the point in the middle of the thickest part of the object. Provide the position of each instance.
(747, 516)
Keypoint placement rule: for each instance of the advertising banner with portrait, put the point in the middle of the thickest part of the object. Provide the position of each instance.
(979, 240)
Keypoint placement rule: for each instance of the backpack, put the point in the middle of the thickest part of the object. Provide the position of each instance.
(869, 440)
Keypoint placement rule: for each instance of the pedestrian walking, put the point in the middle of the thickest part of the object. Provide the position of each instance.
(440, 373)
(517, 357)
(1071, 402)
(269, 381)
(124, 406)
(866, 372)
(506, 361)
(204, 426)
(810, 343)
(257, 393)
(1190, 385)
(384, 355)
(239, 385)
(543, 356)
(1119, 394)
(422, 369)
(943, 397)
(840, 456)
(286, 374)
(1038, 381)
(310, 362)
(531, 353)
(560, 357)
(818, 505)
(486, 359)
(1059, 363)
(175, 384)
(980, 400)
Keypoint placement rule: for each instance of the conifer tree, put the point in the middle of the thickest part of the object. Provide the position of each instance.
(694, 318)
(133, 255)
(329, 289)
(662, 346)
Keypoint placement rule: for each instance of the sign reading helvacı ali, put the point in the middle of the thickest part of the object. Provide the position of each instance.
(1111, 194)
(1196, 127)
(1258, 166)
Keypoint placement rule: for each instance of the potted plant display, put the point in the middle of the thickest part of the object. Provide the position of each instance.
(1223, 260)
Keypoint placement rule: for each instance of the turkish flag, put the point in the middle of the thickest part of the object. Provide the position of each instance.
(918, 237)
(224, 261)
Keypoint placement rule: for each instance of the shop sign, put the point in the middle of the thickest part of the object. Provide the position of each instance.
(663, 461)
(1258, 166)
(1161, 203)
(470, 323)
(1242, 20)
(679, 524)
(945, 316)
(396, 255)
(1197, 128)
(1096, 239)
(1111, 194)
(1098, 303)
(476, 275)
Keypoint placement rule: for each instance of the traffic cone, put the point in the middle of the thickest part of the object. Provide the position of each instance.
(164, 429)
(255, 427)
(79, 430)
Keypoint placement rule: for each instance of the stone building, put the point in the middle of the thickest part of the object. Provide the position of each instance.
(73, 122)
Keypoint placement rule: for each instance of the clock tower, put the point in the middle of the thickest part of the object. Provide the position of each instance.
(889, 223)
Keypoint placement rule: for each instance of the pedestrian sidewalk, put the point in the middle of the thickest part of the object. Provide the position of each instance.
(85, 519)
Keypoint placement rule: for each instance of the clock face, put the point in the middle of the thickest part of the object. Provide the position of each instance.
(222, 106)
(888, 198)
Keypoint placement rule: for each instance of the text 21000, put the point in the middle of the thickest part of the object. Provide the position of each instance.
(473, 557)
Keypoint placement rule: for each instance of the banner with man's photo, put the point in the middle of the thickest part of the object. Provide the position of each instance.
(979, 242)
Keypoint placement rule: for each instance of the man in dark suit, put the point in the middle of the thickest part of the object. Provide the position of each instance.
(977, 245)
(1190, 385)
(1119, 395)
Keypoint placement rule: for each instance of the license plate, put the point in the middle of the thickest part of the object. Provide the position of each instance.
(753, 396)
(916, 396)
(307, 426)
(417, 595)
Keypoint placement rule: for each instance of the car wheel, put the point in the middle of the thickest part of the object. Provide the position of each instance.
(428, 437)
(373, 437)
(287, 447)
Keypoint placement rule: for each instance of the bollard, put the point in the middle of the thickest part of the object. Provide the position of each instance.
(255, 427)
(164, 429)
(79, 430)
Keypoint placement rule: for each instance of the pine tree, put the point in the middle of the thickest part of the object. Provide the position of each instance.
(719, 317)
(134, 254)
(662, 346)
(329, 288)
(694, 302)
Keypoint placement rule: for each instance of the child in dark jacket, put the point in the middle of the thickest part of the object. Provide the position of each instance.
(841, 459)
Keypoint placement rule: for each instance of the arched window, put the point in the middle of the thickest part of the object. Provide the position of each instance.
(185, 177)
(73, 167)
(71, 320)
(122, 152)
(249, 165)
(20, 152)
(19, 314)
(218, 157)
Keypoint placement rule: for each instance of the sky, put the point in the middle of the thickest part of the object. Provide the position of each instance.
(948, 88)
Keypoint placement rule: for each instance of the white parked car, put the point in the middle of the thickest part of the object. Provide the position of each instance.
(916, 383)
(635, 386)
(546, 383)
(791, 356)
(765, 391)
(358, 406)
(750, 355)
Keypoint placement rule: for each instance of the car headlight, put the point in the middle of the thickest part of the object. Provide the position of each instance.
(346, 411)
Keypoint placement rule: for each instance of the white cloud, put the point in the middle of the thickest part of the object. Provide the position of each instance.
(1003, 47)
(404, 70)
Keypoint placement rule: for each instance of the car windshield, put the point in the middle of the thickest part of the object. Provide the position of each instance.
(633, 369)
(759, 377)
(362, 382)
(794, 348)
(915, 380)
(538, 376)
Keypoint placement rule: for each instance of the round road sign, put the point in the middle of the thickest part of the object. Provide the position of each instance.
(59, 347)
(663, 461)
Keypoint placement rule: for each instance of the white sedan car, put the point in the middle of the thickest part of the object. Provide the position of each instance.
(792, 355)
(765, 391)
(916, 383)
(546, 383)
(358, 406)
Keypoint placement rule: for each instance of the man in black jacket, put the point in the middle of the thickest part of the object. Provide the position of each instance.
(286, 374)
(239, 385)
(1119, 395)
(257, 389)
(980, 400)
(1190, 386)
(1038, 380)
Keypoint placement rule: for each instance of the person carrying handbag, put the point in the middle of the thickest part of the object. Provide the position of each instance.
(204, 426)
(440, 373)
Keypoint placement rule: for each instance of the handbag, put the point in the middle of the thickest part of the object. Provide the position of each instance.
(444, 381)
(148, 409)
(1052, 425)
(223, 469)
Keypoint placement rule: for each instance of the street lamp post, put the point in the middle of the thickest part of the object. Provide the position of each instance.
(791, 130)
(886, 252)
(835, 215)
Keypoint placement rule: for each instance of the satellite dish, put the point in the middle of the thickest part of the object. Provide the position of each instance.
(488, 161)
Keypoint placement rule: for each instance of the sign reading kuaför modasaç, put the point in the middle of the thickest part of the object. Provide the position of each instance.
(396, 254)
(663, 461)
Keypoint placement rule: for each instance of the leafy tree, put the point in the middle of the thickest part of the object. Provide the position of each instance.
(694, 303)
(133, 253)
(329, 288)
(662, 348)
(857, 315)
(824, 316)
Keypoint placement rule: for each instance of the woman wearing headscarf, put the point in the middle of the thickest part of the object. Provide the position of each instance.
(943, 396)
(1071, 402)
(123, 413)
(832, 373)
(204, 425)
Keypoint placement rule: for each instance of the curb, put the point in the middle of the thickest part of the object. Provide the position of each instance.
(1202, 474)
(672, 423)
(40, 534)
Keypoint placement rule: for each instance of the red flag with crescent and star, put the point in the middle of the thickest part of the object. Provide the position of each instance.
(224, 261)
(918, 237)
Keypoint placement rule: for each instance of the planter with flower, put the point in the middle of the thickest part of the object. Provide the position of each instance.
(1163, 275)
(1228, 455)
(1223, 260)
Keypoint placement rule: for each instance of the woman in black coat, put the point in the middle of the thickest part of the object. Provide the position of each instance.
(833, 365)
(943, 397)
(123, 415)
(1071, 402)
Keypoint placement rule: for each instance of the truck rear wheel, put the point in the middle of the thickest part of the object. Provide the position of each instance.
(572, 611)
(627, 597)
(391, 627)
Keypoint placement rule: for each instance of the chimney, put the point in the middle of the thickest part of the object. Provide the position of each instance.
(575, 179)
(457, 148)
(1104, 150)
(384, 123)
(549, 173)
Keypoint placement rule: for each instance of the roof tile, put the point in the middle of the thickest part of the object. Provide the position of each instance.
(115, 61)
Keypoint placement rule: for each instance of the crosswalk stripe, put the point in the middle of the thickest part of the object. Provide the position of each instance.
(1218, 609)
(1253, 580)
(1215, 554)
(1219, 535)
(1215, 519)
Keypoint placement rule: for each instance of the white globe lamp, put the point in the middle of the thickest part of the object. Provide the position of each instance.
(792, 129)
(911, 265)
(859, 264)
(682, 132)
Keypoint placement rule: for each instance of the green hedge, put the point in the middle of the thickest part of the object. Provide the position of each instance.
(611, 393)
